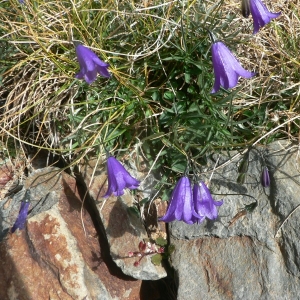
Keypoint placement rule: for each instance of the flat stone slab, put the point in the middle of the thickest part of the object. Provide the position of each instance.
(254, 257)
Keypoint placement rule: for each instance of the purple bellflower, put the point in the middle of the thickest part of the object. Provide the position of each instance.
(204, 204)
(181, 206)
(118, 178)
(260, 14)
(21, 219)
(265, 177)
(90, 65)
(227, 69)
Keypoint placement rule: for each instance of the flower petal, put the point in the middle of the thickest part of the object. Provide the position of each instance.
(90, 76)
(185, 204)
(170, 214)
(79, 75)
(260, 14)
(203, 201)
(103, 71)
(265, 178)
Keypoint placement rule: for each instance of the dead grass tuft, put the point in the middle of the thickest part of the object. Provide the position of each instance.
(45, 107)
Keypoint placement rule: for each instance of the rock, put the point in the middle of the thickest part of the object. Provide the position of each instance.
(55, 257)
(40, 188)
(248, 259)
(241, 255)
(6, 173)
(9, 182)
(123, 227)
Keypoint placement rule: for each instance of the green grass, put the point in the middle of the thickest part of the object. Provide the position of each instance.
(158, 102)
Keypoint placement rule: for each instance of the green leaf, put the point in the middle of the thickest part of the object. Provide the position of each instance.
(161, 241)
(241, 178)
(169, 95)
(133, 211)
(171, 249)
(187, 77)
(156, 259)
(144, 201)
(155, 96)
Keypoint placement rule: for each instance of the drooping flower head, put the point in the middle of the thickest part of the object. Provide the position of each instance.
(90, 65)
(227, 69)
(21, 219)
(265, 177)
(260, 14)
(180, 206)
(204, 204)
(118, 178)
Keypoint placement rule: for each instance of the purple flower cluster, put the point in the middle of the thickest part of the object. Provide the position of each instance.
(187, 203)
(226, 67)
(191, 205)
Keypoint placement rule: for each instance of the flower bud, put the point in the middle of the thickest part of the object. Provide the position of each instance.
(265, 177)
(142, 246)
(246, 8)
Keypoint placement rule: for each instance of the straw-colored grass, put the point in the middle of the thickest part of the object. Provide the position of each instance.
(156, 51)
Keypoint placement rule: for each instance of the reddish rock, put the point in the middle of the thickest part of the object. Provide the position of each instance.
(23, 276)
(6, 174)
(58, 254)
(8, 179)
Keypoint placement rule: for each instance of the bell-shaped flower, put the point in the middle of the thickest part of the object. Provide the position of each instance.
(227, 69)
(90, 65)
(260, 14)
(181, 206)
(265, 177)
(21, 219)
(118, 178)
(204, 204)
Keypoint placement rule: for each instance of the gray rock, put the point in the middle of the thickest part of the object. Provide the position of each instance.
(9, 209)
(123, 228)
(39, 190)
(250, 259)
(124, 231)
